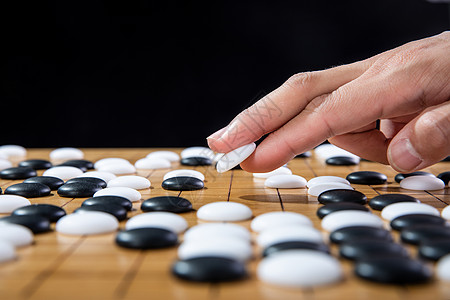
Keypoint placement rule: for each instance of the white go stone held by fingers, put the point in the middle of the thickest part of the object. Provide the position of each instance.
(235, 157)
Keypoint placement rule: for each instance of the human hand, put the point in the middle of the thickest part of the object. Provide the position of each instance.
(407, 88)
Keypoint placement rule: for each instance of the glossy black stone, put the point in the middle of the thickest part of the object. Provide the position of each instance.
(295, 245)
(381, 201)
(17, 173)
(342, 161)
(36, 223)
(29, 190)
(445, 177)
(36, 164)
(434, 250)
(100, 182)
(406, 221)
(182, 183)
(196, 161)
(52, 182)
(78, 189)
(52, 212)
(102, 200)
(400, 176)
(355, 233)
(146, 238)
(341, 195)
(362, 249)
(333, 207)
(422, 233)
(82, 164)
(167, 203)
(393, 269)
(209, 269)
(116, 210)
(366, 177)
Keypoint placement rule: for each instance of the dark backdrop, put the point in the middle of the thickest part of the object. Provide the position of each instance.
(135, 73)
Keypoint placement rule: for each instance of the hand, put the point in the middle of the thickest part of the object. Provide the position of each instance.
(407, 88)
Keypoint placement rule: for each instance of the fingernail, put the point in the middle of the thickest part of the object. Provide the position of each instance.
(403, 156)
(216, 135)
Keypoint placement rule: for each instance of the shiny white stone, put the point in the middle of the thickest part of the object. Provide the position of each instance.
(235, 157)
(63, 172)
(346, 218)
(328, 150)
(285, 182)
(300, 269)
(118, 168)
(319, 188)
(87, 223)
(105, 176)
(197, 151)
(422, 183)
(5, 164)
(8, 203)
(218, 246)
(326, 179)
(395, 210)
(224, 211)
(208, 231)
(159, 219)
(131, 181)
(446, 213)
(126, 192)
(443, 268)
(15, 234)
(168, 155)
(7, 251)
(66, 153)
(289, 233)
(184, 172)
(278, 218)
(108, 161)
(152, 163)
(280, 171)
(13, 151)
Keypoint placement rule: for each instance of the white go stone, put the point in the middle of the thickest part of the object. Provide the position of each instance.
(219, 246)
(131, 181)
(159, 219)
(168, 155)
(105, 176)
(422, 183)
(63, 172)
(446, 213)
(285, 182)
(233, 158)
(152, 163)
(197, 152)
(10, 151)
(280, 171)
(326, 179)
(87, 223)
(109, 160)
(15, 234)
(4, 164)
(289, 233)
(8, 203)
(224, 211)
(7, 251)
(300, 269)
(278, 218)
(319, 188)
(329, 150)
(184, 172)
(121, 191)
(118, 168)
(443, 268)
(347, 218)
(207, 231)
(395, 210)
(66, 153)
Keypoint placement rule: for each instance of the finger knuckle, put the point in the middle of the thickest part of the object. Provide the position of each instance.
(434, 129)
(300, 80)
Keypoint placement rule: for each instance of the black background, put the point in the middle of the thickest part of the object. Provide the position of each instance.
(148, 74)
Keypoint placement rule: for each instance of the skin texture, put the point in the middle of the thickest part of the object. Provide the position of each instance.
(406, 88)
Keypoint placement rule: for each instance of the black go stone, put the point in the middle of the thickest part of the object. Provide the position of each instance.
(100, 182)
(341, 195)
(36, 223)
(78, 189)
(196, 161)
(29, 190)
(146, 238)
(295, 245)
(445, 177)
(333, 207)
(105, 200)
(381, 201)
(434, 250)
(82, 164)
(36, 164)
(366, 177)
(17, 173)
(406, 221)
(393, 269)
(167, 203)
(362, 249)
(116, 210)
(355, 233)
(304, 155)
(52, 212)
(209, 269)
(400, 176)
(52, 182)
(342, 161)
(422, 233)
(182, 183)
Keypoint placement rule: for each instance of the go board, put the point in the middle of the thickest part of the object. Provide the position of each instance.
(94, 267)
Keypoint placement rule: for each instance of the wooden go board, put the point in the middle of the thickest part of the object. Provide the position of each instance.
(93, 267)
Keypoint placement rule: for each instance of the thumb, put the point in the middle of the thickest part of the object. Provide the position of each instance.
(423, 141)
